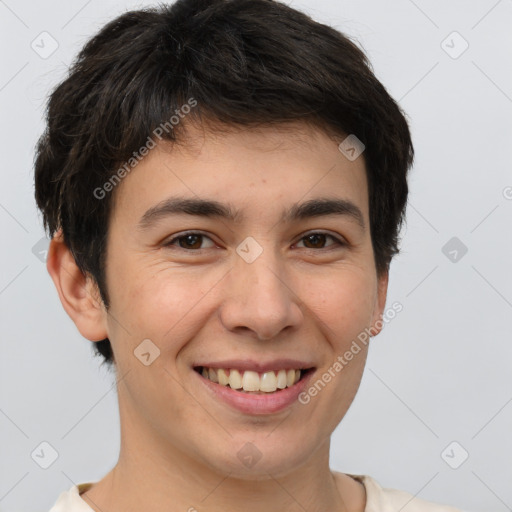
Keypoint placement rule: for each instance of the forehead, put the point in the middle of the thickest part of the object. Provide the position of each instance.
(257, 172)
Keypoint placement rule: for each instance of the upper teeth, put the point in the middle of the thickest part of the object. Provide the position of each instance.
(252, 381)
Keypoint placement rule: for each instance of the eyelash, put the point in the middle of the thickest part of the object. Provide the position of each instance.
(175, 239)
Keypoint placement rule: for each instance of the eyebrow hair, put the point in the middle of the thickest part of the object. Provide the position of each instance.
(318, 207)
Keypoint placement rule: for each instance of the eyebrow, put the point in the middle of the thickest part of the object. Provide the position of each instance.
(318, 207)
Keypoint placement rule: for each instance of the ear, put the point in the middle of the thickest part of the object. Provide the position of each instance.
(78, 293)
(380, 303)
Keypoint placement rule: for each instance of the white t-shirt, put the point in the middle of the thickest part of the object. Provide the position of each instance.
(377, 499)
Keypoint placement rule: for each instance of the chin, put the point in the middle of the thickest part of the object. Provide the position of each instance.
(255, 457)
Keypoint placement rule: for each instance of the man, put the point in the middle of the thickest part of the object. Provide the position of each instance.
(224, 184)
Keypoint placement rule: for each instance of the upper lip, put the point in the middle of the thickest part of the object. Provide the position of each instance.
(258, 366)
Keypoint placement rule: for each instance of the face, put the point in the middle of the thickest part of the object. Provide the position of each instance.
(275, 286)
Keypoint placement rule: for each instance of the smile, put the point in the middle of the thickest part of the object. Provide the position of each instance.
(253, 382)
(255, 387)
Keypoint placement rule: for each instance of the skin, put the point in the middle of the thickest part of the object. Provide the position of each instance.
(300, 298)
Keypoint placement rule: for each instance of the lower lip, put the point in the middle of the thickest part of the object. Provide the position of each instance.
(249, 403)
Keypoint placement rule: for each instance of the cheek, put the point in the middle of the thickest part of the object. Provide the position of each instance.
(160, 304)
(344, 303)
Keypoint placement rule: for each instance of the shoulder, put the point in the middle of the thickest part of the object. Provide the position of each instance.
(379, 499)
(70, 501)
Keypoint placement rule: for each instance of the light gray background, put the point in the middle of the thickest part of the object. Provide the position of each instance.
(440, 371)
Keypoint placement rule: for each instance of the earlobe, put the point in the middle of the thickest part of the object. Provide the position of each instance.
(380, 303)
(78, 293)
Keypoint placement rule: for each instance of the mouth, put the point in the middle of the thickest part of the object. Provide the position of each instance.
(270, 382)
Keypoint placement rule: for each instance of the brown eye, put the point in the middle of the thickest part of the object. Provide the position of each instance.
(188, 241)
(318, 240)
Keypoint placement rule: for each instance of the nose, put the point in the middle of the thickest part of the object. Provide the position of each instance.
(259, 298)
